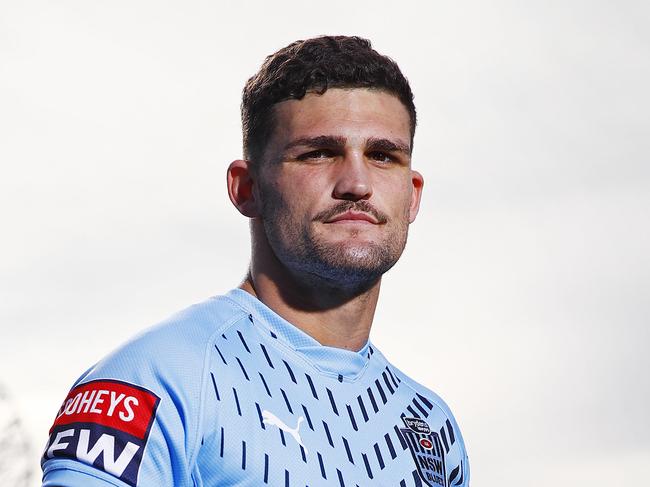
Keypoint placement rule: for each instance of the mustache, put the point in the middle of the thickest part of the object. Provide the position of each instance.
(361, 206)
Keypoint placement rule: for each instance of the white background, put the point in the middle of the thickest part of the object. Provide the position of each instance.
(523, 295)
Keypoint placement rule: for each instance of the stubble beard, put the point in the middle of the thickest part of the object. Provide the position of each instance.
(350, 264)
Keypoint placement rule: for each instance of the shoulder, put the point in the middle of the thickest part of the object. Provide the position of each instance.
(431, 405)
(424, 403)
(175, 344)
(145, 399)
(424, 392)
(169, 360)
(431, 398)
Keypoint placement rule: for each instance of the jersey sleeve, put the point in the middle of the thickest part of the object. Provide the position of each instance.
(133, 419)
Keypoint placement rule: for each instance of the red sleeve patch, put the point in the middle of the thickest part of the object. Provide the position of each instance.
(110, 403)
(105, 424)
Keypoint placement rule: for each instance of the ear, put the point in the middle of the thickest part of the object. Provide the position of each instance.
(417, 182)
(240, 188)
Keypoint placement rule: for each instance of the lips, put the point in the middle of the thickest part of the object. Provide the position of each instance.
(352, 216)
(359, 212)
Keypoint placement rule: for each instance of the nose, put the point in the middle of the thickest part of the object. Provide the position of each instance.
(353, 179)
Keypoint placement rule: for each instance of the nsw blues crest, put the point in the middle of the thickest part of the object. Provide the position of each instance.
(427, 450)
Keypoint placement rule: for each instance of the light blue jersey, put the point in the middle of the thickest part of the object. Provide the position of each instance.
(228, 393)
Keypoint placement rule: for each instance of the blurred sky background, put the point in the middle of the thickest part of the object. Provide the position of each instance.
(523, 297)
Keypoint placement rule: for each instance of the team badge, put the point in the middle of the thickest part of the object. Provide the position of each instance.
(104, 423)
(427, 451)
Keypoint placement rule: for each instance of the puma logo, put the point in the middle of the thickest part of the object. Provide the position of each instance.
(272, 419)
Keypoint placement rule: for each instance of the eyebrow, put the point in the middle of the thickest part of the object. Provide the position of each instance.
(387, 145)
(330, 141)
(338, 142)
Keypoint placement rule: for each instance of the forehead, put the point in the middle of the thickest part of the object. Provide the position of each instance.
(355, 113)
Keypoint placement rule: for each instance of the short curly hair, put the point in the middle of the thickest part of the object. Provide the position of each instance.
(313, 66)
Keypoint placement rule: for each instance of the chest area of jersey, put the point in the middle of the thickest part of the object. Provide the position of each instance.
(271, 420)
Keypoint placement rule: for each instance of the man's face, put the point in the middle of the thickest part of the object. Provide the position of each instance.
(336, 189)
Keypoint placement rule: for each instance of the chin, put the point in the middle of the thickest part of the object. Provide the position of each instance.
(359, 262)
(358, 253)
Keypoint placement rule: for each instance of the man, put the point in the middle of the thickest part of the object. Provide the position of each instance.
(276, 382)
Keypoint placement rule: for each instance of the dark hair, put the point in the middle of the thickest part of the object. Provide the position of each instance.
(314, 65)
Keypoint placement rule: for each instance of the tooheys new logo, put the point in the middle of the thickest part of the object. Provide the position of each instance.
(104, 423)
(427, 451)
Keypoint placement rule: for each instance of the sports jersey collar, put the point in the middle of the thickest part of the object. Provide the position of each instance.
(330, 360)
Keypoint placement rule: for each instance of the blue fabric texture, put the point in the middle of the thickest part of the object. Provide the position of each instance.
(241, 397)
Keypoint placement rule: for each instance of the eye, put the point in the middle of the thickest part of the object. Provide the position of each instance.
(382, 157)
(318, 154)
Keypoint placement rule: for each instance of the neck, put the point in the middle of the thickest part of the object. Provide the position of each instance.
(332, 315)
